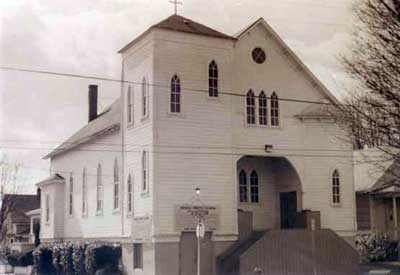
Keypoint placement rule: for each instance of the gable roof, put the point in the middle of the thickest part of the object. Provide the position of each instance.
(181, 24)
(21, 204)
(106, 122)
(261, 21)
(390, 178)
(55, 178)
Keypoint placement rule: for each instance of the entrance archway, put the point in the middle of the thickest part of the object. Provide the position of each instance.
(269, 193)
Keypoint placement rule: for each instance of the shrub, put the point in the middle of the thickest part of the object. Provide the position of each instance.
(374, 247)
(20, 259)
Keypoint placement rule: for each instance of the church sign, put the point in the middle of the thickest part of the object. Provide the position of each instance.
(187, 217)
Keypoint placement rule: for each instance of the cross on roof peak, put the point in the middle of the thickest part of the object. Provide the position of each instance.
(176, 3)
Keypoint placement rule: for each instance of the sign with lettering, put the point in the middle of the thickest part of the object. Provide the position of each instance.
(187, 217)
(141, 228)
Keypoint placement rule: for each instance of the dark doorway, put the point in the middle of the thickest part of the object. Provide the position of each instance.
(288, 205)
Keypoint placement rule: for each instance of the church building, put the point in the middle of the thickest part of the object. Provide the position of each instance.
(233, 131)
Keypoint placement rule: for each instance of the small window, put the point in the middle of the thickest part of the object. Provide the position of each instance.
(243, 186)
(99, 190)
(47, 207)
(175, 95)
(71, 195)
(258, 55)
(335, 187)
(137, 255)
(130, 105)
(145, 171)
(130, 193)
(84, 192)
(116, 185)
(274, 110)
(262, 108)
(213, 79)
(145, 98)
(250, 108)
(254, 187)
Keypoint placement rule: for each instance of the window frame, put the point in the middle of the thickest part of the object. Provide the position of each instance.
(71, 195)
(99, 191)
(84, 193)
(250, 96)
(262, 109)
(47, 209)
(213, 79)
(175, 83)
(130, 106)
(335, 183)
(274, 108)
(129, 200)
(116, 189)
(243, 186)
(145, 98)
(254, 188)
(145, 172)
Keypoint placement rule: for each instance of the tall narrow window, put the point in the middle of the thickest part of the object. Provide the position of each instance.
(175, 94)
(243, 186)
(116, 185)
(130, 105)
(70, 195)
(250, 108)
(130, 191)
(254, 187)
(84, 192)
(47, 207)
(335, 187)
(99, 190)
(213, 79)
(145, 172)
(137, 255)
(145, 99)
(274, 110)
(262, 108)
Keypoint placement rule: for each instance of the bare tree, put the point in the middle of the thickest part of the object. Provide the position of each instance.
(371, 112)
(8, 185)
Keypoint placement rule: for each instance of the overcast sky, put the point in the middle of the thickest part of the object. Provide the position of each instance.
(82, 37)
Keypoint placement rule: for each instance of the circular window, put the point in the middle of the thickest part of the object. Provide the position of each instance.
(258, 55)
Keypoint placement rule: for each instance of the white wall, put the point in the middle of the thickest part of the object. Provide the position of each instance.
(54, 228)
(93, 225)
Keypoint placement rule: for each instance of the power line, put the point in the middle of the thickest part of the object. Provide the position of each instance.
(153, 85)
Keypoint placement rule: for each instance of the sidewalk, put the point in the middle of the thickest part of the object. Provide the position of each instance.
(381, 268)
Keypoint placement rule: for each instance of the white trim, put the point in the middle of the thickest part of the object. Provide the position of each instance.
(331, 188)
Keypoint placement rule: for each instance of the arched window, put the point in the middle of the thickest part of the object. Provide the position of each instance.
(254, 187)
(335, 187)
(175, 95)
(213, 79)
(130, 193)
(116, 185)
(145, 97)
(47, 207)
(243, 186)
(145, 172)
(71, 193)
(250, 108)
(99, 191)
(262, 108)
(84, 192)
(130, 105)
(274, 110)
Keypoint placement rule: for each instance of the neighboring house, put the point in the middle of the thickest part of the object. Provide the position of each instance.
(18, 234)
(200, 109)
(377, 188)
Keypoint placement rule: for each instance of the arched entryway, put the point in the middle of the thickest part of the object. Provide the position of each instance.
(269, 193)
